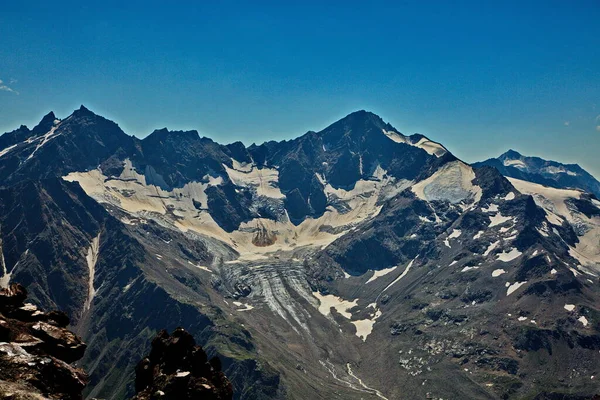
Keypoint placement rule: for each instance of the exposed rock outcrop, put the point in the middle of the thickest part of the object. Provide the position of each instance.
(35, 351)
(179, 369)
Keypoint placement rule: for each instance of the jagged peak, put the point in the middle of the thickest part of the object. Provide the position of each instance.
(45, 124)
(83, 111)
(164, 133)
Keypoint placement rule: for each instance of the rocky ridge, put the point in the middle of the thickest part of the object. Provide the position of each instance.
(36, 350)
(177, 368)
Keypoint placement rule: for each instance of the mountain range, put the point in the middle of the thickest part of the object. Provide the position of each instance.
(354, 263)
(547, 173)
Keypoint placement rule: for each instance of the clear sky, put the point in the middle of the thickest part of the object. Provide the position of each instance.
(480, 78)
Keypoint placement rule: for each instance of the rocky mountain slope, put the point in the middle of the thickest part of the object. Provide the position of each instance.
(355, 262)
(544, 172)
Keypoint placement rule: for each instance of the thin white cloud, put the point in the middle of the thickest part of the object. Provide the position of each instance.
(567, 123)
(6, 88)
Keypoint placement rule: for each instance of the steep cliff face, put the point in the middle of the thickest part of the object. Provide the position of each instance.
(354, 262)
(36, 350)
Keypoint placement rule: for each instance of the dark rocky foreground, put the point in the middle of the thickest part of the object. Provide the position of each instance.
(179, 369)
(36, 350)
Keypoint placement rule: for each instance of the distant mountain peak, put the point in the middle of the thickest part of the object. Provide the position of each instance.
(164, 133)
(545, 172)
(510, 154)
(83, 111)
(363, 115)
(45, 124)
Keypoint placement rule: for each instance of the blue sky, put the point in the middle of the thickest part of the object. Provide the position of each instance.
(478, 77)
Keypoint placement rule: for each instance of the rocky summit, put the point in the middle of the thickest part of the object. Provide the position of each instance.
(178, 369)
(36, 350)
(354, 262)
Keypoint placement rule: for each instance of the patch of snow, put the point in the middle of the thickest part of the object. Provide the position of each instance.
(558, 170)
(43, 140)
(510, 196)
(511, 255)
(328, 301)
(497, 272)
(453, 182)
(92, 259)
(583, 320)
(491, 248)
(8, 149)
(569, 307)
(429, 146)
(200, 267)
(515, 163)
(522, 318)
(465, 269)
(401, 275)
(514, 287)
(477, 235)
(553, 271)
(498, 219)
(364, 327)
(244, 307)
(5, 279)
(490, 209)
(396, 137)
(455, 234)
(380, 273)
